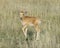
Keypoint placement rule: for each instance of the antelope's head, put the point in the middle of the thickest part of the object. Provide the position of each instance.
(21, 14)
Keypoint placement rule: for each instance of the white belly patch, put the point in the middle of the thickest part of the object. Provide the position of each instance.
(31, 24)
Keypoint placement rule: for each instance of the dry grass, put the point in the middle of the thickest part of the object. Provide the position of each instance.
(11, 35)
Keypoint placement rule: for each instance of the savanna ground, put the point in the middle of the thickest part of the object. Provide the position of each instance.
(11, 35)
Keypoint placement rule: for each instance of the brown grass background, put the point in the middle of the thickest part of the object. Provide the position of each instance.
(11, 35)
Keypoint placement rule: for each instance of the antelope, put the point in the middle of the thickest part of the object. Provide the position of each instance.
(29, 21)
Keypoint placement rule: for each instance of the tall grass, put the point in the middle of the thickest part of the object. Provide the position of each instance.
(11, 35)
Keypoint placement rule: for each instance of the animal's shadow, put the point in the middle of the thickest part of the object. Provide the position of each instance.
(30, 35)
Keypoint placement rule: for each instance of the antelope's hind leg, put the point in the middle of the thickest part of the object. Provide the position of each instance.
(37, 28)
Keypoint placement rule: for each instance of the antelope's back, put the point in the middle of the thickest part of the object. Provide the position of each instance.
(30, 20)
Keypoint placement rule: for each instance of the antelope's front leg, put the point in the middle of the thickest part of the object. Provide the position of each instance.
(24, 29)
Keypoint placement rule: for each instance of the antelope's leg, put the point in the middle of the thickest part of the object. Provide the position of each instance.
(25, 33)
(24, 29)
(38, 32)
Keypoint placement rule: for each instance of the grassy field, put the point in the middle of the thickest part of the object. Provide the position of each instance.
(11, 35)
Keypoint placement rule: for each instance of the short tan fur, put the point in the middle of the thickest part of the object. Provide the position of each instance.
(30, 21)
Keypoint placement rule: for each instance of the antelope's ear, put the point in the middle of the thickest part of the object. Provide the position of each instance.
(25, 12)
(21, 11)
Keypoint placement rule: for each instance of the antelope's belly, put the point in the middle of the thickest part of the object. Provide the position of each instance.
(27, 23)
(31, 24)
